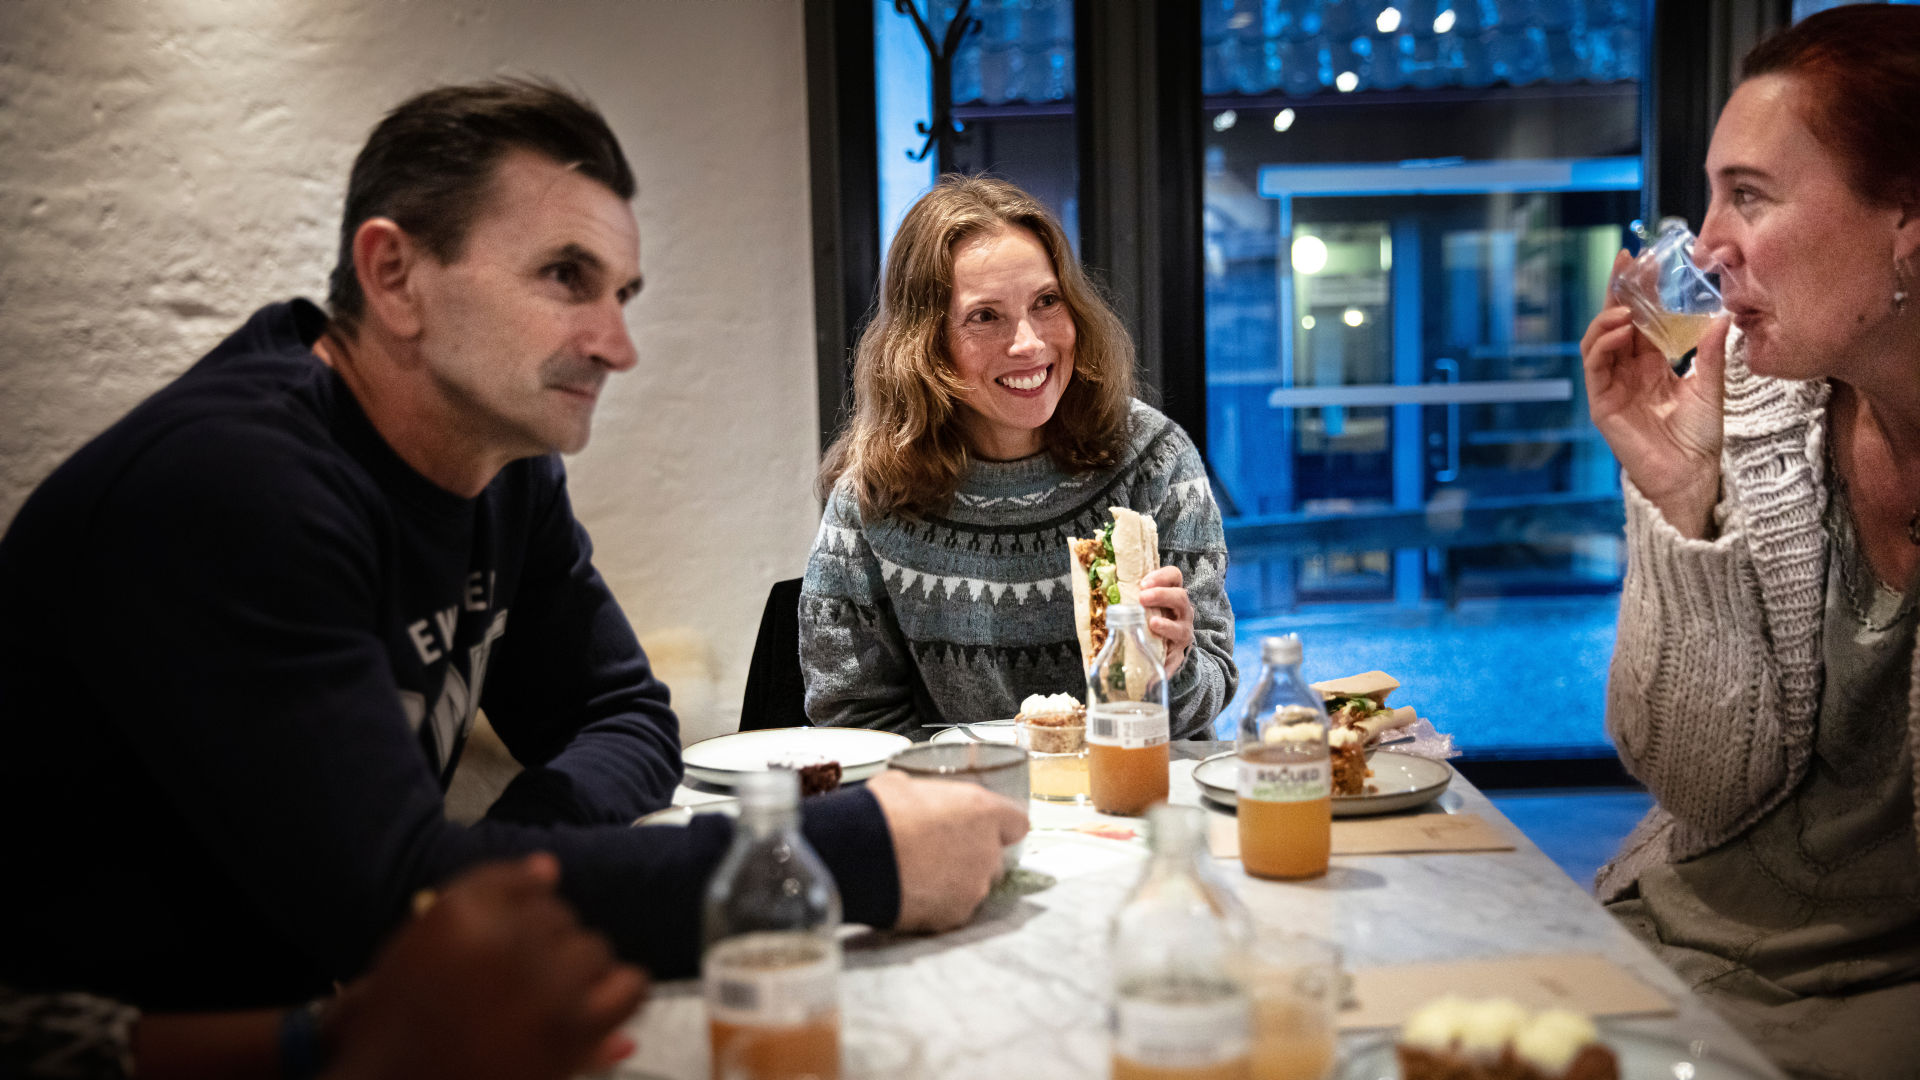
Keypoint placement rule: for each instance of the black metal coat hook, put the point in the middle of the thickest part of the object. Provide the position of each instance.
(943, 128)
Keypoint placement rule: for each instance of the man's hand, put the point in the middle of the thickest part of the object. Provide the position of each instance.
(947, 840)
(495, 980)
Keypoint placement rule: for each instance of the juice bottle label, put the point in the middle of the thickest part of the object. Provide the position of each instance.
(759, 981)
(1185, 1034)
(1130, 730)
(1292, 781)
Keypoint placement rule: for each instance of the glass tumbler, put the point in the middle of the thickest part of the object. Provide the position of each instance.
(995, 766)
(1673, 299)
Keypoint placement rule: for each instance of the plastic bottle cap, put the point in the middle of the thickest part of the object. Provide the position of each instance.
(1125, 615)
(1281, 650)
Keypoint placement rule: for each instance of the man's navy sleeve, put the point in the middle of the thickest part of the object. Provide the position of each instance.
(252, 679)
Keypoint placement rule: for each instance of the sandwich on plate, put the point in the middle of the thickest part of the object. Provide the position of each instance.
(1359, 702)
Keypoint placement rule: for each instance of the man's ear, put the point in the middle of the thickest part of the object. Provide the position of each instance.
(384, 258)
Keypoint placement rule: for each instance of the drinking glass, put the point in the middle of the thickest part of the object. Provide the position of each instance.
(864, 1052)
(1057, 760)
(995, 766)
(1294, 980)
(1672, 298)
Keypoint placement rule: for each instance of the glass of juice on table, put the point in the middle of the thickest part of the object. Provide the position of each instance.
(770, 971)
(1127, 718)
(1052, 729)
(1294, 980)
(1673, 299)
(1284, 804)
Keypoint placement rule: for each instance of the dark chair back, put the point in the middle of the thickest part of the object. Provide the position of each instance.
(776, 694)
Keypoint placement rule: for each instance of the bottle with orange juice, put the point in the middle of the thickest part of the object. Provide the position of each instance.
(771, 969)
(1285, 797)
(1181, 1010)
(1127, 718)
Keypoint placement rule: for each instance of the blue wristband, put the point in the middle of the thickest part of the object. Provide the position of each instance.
(302, 1054)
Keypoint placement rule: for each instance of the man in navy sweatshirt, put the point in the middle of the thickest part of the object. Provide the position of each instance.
(245, 631)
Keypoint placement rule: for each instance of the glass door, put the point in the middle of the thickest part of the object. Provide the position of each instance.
(1410, 214)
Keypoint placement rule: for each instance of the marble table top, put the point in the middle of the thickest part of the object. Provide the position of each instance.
(1022, 991)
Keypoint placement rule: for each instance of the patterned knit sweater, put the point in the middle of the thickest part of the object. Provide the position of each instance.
(1715, 684)
(956, 617)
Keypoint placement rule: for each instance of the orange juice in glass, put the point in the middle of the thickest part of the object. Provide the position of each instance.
(1294, 981)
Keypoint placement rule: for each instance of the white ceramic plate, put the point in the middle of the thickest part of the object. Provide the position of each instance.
(1400, 782)
(1642, 1057)
(861, 752)
(993, 731)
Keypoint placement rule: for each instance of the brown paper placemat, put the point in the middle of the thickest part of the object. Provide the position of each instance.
(1584, 982)
(1397, 834)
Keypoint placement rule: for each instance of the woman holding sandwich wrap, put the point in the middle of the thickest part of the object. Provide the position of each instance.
(993, 422)
(1763, 681)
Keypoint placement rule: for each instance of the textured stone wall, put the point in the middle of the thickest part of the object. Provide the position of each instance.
(166, 166)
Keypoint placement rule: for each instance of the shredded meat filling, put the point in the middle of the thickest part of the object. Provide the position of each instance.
(1084, 553)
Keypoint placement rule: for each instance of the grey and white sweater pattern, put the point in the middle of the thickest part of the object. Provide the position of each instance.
(958, 616)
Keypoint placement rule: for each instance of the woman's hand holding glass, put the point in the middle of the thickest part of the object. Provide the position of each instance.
(1665, 429)
(1163, 593)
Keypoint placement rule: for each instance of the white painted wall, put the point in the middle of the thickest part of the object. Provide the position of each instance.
(166, 166)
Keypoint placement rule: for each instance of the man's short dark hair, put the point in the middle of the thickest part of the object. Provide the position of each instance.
(429, 163)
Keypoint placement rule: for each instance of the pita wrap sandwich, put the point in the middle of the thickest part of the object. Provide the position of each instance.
(1106, 570)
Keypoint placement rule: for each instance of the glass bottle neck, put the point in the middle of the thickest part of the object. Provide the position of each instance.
(767, 822)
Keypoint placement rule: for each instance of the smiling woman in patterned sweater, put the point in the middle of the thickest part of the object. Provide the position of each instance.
(993, 419)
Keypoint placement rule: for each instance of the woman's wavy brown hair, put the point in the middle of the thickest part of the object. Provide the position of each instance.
(903, 447)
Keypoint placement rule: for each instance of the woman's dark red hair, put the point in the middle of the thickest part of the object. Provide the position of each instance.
(1860, 64)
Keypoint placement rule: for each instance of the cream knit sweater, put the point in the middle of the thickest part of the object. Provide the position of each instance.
(1715, 684)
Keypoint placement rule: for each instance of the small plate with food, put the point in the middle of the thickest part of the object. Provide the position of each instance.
(1389, 782)
(1462, 1039)
(858, 753)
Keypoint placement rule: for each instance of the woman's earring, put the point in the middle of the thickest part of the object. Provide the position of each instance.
(1899, 288)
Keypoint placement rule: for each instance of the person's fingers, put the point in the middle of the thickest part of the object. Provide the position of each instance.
(1175, 632)
(1168, 576)
(1609, 319)
(617, 994)
(543, 867)
(1620, 260)
(1710, 362)
(612, 1050)
(506, 882)
(1173, 601)
(1008, 818)
(1610, 361)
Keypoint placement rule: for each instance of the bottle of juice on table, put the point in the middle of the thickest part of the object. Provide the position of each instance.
(771, 969)
(1181, 1009)
(1285, 798)
(1127, 756)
